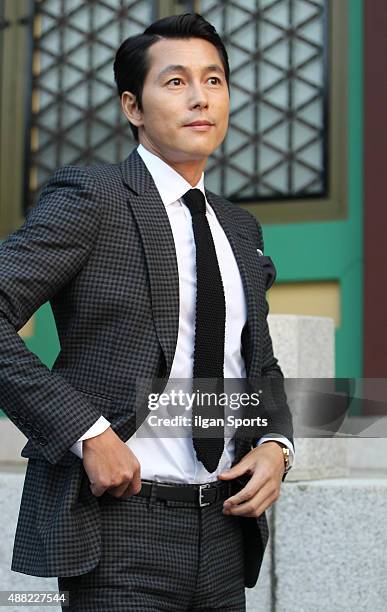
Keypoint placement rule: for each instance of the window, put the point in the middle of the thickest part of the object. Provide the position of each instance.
(284, 157)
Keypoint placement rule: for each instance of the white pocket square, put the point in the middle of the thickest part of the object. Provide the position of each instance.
(259, 252)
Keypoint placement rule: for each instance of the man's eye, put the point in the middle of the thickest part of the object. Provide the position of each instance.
(179, 79)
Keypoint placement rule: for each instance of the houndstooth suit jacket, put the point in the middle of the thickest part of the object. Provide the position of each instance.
(99, 247)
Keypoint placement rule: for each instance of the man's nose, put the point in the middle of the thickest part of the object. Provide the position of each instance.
(199, 96)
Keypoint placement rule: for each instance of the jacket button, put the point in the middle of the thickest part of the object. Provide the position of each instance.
(42, 440)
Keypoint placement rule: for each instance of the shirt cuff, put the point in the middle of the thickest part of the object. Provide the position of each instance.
(99, 427)
(282, 439)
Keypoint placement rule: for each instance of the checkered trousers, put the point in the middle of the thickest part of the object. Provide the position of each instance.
(162, 555)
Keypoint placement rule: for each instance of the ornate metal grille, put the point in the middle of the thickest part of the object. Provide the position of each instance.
(76, 115)
(277, 139)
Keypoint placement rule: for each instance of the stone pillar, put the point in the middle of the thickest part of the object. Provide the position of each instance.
(305, 348)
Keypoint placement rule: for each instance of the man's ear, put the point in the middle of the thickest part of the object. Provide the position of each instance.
(130, 108)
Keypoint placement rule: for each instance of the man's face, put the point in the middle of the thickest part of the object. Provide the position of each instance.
(173, 98)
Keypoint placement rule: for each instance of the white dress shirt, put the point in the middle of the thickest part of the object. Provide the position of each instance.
(173, 459)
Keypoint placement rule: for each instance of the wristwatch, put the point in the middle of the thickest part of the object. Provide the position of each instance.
(286, 453)
(287, 456)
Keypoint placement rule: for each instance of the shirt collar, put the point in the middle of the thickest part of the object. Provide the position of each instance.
(170, 184)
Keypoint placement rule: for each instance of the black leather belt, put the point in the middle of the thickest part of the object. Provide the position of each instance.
(201, 495)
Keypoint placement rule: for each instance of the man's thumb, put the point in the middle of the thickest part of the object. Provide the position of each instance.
(233, 472)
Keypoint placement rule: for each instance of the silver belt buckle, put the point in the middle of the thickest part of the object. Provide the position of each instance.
(201, 502)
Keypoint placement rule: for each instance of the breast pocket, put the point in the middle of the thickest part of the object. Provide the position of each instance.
(269, 270)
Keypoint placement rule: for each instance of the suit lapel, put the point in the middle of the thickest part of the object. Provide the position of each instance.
(159, 248)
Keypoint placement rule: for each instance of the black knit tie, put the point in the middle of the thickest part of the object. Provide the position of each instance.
(209, 336)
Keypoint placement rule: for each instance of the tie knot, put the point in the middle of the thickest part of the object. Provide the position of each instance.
(194, 200)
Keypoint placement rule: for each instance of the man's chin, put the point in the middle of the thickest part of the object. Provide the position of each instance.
(198, 152)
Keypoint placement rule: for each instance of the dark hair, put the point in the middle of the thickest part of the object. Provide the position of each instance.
(131, 64)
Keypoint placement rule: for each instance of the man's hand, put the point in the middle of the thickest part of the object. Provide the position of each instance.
(266, 465)
(111, 466)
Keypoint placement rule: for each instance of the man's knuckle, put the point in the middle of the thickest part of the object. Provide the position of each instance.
(118, 479)
(250, 511)
(103, 483)
(250, 491)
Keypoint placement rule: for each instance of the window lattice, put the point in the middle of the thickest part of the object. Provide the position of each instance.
(276, 143)
(76, 115)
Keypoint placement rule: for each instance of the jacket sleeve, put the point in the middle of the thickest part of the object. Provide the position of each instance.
(274, 400)
(36, 261)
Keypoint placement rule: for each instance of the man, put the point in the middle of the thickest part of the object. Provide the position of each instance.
(136, 259)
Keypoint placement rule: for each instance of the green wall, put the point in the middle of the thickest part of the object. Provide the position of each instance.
(45, 341)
